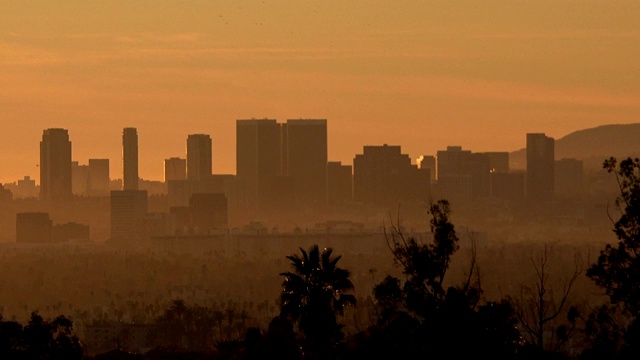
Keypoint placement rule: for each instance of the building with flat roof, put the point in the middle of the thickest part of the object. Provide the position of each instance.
(55, 165)
(259, 162)
(130, 178)
(99, 177)
(175, 169)
(128, 211)
(199, 157)
(384, 176)
(306, 161)
(540, 180)
(33, 228)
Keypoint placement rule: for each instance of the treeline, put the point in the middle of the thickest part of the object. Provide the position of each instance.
(419, 312)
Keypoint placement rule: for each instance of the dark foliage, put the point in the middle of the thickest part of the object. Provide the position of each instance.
(313, 295)
(419, 317)
(617, 271)
(618, 266)
(39, 339)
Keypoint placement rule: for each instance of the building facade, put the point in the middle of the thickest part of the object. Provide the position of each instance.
(55, 165)
(130, 179)
(540, 181)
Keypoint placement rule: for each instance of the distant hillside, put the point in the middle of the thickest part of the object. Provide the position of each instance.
(592, 145)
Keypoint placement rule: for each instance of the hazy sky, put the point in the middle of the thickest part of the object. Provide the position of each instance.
(420, 74)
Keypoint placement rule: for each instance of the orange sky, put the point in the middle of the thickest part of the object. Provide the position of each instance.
(420, 74)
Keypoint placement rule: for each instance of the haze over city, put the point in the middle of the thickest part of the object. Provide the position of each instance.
(313, 180)
(423, 74)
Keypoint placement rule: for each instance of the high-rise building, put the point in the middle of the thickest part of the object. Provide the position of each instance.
(209, 213)
(339, 183)
(499, 161)
(306, 165)
(175, 176)
(99, 177)
(79, 178)
(259, 163)
(55, 165)
(33, 227)
(199, 160)
(453, 174)
(384, 176)
(175, 169)
(130, 177)
(540, 167)
(128, 211)
(428, 162)
(463, 176)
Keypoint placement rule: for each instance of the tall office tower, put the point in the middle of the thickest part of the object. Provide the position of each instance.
(258, 162)
(428, 162)
(130, 177)
(453, 175)
(498, 161)
(55, 165)
(198, 157)
(99, 177)
(339, 183)
(33, 227)
(175, 169)
(128, 211)
(79, 179)
(175, 176)
(383, 176)
(306, 144)
(540, 167)
(209, 213)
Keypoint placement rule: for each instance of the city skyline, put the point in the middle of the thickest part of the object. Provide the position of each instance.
(421, 74)
(116, 172)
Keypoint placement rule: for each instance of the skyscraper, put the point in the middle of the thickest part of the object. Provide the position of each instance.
(130, 159)
(384, 176)
(175, 176)
(540, 166)
(99, 177)
(128, 209)
(175, 169)
(258, 161)
(306, 145)
(339, 183)
(55, 165)
(199, 161)
(281, 164)
(453, 173)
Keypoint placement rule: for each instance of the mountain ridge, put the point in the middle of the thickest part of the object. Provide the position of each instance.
(591, 145)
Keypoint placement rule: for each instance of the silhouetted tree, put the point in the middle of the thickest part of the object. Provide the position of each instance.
(278, 342)
(419, 317)
(539, 306)
(39, 339)
(313, 295)
(617, 269)
(12, 342)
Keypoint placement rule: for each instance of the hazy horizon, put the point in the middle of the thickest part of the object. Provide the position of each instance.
(422, 75)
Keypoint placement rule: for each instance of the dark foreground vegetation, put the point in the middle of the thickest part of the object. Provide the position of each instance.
(418, 311)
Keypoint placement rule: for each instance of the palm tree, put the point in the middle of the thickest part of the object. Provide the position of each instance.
(313, 295)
